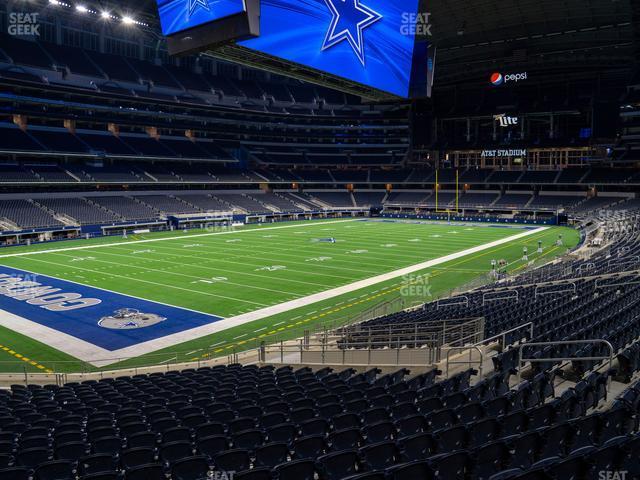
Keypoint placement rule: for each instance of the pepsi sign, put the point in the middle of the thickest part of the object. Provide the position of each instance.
(498, 78)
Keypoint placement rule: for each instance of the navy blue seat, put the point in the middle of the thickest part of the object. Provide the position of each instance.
(14, 473)
(311, 446)
(235, 460)
(337, 465)
(96, 464)
(145, 472)
(296, 470)
(190, 468)
(254, 474)
(379, 456)
(271, 454)
(417, 469)
(134, 457)
(213, 445)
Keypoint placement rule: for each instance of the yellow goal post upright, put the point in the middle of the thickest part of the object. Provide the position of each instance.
(448, 210)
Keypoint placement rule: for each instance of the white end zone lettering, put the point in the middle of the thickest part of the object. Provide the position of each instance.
(46, 297)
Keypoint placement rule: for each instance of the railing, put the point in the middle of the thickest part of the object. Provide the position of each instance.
(522, 360)
(477, 345)
(433, 334)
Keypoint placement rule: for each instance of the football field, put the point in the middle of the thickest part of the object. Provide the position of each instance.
(211, 292)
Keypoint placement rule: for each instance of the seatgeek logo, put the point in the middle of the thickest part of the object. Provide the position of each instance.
(498, 78)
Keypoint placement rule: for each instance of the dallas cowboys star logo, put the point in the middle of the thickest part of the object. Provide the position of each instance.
(350, 18)
(193, 4)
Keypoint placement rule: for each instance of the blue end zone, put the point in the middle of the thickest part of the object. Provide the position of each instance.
(91, 314)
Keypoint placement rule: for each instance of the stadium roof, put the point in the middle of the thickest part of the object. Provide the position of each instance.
(480, 35)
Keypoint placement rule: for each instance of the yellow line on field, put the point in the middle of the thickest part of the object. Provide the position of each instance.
(25, 359)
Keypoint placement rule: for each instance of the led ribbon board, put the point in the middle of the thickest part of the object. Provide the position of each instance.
(180, 15)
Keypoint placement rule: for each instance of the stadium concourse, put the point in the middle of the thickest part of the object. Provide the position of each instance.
(319, 240)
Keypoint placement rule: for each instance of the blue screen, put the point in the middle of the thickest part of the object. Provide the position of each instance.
(179, 15)
(366, 41)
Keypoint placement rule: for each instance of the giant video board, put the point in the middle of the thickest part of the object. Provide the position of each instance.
(369, 42)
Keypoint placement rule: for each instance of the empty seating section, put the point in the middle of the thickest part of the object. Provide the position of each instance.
(14, 139)
(168, 205)
(244, 202)
(24, 52)
(593, 204)
(291, 425)
(554, 201)
(408, 197)
(115, 67)
(53, 173)
(144, 145)
(421, 176)
(301, 199)
(513, 200)
(369, 199)
(507, 176)
(58, 140)
(273, 200)
(79, 210)
(474, 199)
(126, 207)
(110, 174)
(206, 203)
(107, 143)
(74, 59)
(442, 199)
(16, 173)
(159, 172)
(334, 199)
(26, 215)
(539, 176)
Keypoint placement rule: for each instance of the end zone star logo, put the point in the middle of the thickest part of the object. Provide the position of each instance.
(349, 20)
(193, 4)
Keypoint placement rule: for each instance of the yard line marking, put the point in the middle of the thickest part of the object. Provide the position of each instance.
(255, 287)
(239, 336)
(276, 324)
(260, 330)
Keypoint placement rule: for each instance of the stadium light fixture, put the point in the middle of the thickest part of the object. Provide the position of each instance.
(105, 15)
(128, 20)
(82, 9)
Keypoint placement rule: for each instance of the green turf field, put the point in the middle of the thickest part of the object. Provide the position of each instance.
(230, 272)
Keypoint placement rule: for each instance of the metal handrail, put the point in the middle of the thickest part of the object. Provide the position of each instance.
(522, 360)
(504, 334)
(468, 362)
(477, 345)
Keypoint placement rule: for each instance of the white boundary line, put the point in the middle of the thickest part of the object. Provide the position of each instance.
(101, 357)
(165, 239)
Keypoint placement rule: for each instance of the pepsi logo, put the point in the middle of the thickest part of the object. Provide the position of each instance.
(497, 79)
